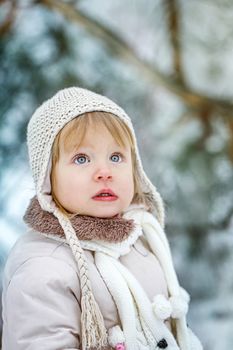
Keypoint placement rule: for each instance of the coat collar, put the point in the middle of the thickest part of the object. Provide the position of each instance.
(87, 228)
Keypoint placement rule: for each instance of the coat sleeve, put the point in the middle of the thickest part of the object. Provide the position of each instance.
(42, 309)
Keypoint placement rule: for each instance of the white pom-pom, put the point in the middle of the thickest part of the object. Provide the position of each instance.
(115, 336)
(184, 295)
(179, 306)
(195, 343)
(161, 307)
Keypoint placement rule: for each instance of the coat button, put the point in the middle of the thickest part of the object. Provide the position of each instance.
(162, 344)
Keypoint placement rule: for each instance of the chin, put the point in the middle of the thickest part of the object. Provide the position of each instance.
(105, 216)
(106, 213)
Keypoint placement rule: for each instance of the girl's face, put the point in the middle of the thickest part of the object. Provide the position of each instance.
(98, 165)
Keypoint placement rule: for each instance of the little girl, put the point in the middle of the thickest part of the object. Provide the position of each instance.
(94, 270)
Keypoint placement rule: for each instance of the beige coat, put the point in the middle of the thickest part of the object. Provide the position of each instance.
(41, 292)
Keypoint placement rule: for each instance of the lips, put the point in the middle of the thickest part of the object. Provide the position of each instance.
(105, 193)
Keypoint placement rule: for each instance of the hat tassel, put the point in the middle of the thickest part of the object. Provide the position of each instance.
(94, 333)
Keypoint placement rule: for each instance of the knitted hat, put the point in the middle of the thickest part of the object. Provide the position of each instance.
(43, 128)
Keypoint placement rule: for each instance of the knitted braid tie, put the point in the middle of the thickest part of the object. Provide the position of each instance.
(94, 334)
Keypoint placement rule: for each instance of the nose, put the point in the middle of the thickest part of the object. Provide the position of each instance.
(103, 174)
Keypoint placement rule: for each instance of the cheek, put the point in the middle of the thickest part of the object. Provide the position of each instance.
(131, 183)
(72, 184)
(64, 182)
(128, 181)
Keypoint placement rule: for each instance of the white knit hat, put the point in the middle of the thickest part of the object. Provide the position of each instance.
(43, 128)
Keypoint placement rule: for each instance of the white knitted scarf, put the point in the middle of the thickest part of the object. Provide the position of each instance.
(142, 330)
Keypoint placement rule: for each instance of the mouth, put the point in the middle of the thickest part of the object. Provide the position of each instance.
(105, 195)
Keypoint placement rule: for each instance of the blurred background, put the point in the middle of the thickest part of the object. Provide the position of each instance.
(169, 64)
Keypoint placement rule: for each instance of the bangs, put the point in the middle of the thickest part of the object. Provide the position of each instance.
(72, 135)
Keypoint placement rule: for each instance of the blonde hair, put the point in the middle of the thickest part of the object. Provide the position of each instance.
(72, 136)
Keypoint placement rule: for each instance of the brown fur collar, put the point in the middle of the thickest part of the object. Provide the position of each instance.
(86, 227)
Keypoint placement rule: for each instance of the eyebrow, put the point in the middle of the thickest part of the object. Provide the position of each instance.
(92, 147)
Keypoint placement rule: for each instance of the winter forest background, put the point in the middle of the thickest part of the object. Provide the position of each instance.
(169, 63)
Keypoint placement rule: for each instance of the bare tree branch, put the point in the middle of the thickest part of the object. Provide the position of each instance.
(173, 18)
(230, 144)
(191, 98)
(9, 20)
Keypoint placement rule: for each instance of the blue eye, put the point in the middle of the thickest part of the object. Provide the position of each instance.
(116, 157)
(80, 159)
